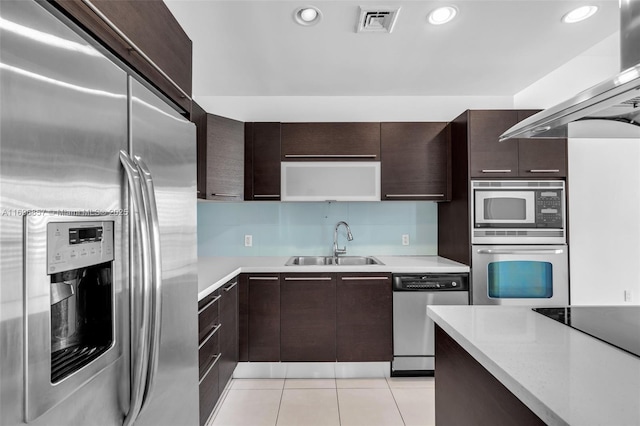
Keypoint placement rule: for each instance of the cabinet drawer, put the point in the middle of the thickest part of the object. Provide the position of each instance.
(209, 350)
(209, 392)
(208, 315)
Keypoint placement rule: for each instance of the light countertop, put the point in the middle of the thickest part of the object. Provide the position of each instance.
(213, 272)
(563, 375)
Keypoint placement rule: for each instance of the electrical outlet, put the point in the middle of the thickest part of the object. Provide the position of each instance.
(248, 240)
(627, 296)
(405, 239)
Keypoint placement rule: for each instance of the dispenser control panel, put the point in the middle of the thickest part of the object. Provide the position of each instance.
(72, 245)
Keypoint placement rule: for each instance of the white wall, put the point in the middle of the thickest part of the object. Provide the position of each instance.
(604, 213)
(596, 64)
(348, 108)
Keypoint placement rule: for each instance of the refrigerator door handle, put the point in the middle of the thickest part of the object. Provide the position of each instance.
(139, 329)
(151, 208)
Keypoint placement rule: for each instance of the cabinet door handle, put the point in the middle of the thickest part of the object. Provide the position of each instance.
(330, 156)
(266, 195)
(215, 299)
(496, 171)
(364, 278)
(264, 278)
(413, 195)
(210, 367)
(204, 342)
(231, 286)
(545, 171)
(307, 279)
(225, 195)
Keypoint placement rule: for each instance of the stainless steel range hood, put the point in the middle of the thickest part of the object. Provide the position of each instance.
(617, 98)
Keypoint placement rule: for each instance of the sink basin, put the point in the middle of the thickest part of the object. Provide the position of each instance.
(330, 260)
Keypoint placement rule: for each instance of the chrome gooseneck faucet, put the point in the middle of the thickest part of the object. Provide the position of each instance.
(337, 251)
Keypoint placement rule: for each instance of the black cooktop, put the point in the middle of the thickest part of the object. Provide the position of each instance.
(616, 325)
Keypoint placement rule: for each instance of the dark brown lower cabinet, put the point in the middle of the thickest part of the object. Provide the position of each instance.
(263, 317)
(308, 317)
(209, 394)
(228, 331)
(457, 373)
(364, 317)
(243, 318)
(218, 344)
(209, 353)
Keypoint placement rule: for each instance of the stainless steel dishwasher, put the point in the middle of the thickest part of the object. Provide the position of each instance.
(413, 331)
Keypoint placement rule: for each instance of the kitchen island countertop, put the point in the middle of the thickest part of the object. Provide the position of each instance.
(213, 272)
(563, 375)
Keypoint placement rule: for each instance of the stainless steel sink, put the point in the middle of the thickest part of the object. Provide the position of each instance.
(330, 260)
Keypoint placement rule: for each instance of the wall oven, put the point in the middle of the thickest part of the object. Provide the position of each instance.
(520, 275)
(518, 212)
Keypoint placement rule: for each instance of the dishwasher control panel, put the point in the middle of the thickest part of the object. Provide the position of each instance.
(431, 282)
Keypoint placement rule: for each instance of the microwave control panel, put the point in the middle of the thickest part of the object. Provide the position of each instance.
(549, 205)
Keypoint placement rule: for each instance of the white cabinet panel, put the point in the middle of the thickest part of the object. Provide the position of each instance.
(333, 181)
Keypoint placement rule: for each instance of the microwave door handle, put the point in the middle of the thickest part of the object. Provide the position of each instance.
(523, 251)
(139, 329)
(155, 318)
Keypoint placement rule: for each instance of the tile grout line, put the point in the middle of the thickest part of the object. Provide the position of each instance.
(397, 406)
(280, 404)
(396, 403)
(338, 401)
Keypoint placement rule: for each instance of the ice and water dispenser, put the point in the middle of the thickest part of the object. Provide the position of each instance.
(80, 267)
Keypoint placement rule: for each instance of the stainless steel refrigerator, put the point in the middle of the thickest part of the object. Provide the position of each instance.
(98, 285)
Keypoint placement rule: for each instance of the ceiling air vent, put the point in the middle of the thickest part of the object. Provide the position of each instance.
(377, 20)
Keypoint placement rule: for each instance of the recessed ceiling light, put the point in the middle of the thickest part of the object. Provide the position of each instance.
(307, 15)
(579, 14)
(442, 15)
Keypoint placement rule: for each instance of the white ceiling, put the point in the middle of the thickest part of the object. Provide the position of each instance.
(493, 48)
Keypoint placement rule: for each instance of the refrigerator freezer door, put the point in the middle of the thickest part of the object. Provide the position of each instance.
(63, 120)
(166, 143)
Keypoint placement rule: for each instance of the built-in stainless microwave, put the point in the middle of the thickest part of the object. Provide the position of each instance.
(518, 212)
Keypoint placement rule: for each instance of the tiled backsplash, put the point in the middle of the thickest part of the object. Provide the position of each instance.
(286, 229)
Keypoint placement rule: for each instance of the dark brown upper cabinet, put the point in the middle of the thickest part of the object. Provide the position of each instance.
(330, 142)
(487, 156)
(142, 29)
(416, 161)
(476, 153)
(262, 161)
(539, 158)
(308, 317)
(199, 118)
(220, 158)
(531, 158)
(364, 317)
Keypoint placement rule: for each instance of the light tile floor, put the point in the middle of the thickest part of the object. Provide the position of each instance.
(328, 402)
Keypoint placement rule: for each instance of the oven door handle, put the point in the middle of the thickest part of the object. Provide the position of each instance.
(523, 251)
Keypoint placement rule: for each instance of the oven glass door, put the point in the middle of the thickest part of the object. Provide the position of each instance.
(520, 275)
(520, 279)
(496, 208)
